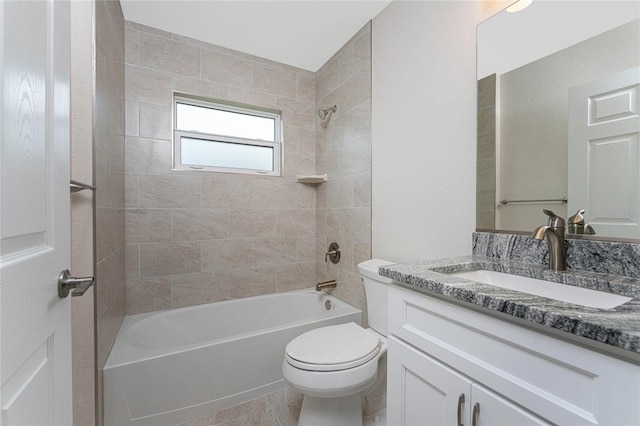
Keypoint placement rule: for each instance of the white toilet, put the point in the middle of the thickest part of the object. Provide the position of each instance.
(335, 366)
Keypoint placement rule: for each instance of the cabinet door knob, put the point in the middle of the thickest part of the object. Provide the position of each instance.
(475, 414)
(460, 405)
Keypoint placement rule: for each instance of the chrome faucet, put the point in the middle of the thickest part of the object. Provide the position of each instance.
(554, 231)
(326, 285)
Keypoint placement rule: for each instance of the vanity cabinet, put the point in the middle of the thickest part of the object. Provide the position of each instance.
(438, 351)
(427, 392)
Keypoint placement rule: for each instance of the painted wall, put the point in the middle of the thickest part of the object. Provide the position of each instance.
(198, 237)
(344, 152)
(424, 128)
(108, 112)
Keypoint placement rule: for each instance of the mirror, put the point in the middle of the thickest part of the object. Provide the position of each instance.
(558, 123)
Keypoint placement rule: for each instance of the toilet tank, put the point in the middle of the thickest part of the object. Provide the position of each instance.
(376, 289)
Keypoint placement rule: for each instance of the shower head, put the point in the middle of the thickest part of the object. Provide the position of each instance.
(324, 113)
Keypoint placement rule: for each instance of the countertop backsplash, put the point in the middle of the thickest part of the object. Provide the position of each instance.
(606, 257)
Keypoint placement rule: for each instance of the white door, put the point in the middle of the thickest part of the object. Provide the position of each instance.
(604, 156)
(35, 329)
(422, 391)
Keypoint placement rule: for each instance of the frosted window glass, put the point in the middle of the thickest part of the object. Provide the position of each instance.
(192, 118)
(199, 152)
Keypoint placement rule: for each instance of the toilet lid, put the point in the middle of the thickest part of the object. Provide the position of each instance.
(334, 347)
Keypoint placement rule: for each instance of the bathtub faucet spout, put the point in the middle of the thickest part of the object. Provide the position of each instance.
(325, 285)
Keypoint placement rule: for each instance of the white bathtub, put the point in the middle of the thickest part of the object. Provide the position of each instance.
(172, 366)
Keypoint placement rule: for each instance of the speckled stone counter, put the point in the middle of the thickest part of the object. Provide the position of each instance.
(618, 327)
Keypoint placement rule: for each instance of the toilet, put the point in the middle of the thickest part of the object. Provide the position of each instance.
(336, 366)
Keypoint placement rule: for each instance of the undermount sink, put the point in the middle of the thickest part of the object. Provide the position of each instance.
(548, 289)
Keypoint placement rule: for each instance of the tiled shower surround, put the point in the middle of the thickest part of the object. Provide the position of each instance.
(343, 151)
(109, 181)
(198, 237)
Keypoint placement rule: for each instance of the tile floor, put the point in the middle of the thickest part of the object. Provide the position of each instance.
(280, 408)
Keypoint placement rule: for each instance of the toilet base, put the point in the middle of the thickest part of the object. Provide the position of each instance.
(343, 411)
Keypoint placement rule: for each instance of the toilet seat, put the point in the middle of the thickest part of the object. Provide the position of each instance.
(333, 348)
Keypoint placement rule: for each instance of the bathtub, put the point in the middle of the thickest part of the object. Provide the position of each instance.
(172, 366)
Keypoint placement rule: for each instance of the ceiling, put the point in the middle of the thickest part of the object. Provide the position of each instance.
(302, 33)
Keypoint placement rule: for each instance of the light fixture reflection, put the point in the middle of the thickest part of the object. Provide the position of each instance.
(519, 5)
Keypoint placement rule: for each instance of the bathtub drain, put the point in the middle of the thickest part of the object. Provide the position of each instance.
(327, 305)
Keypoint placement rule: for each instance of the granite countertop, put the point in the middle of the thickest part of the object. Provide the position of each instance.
(618, 327)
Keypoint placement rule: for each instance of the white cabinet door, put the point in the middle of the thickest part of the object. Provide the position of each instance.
(494, 410)
(422, 391)
(35, 323)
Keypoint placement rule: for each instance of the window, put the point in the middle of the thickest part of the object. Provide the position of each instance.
(209, 135)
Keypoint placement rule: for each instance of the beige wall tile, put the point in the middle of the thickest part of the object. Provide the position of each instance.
(276, 80)
(249, 97)
(147, 29)
(148, 225)
(131, 190)
(362, 190)
(275, 251)
(155, 121)
(295, 276)
(196, 289)
(306, 88)
(192, 86)
(109, 231)
(222, 255)
(132, 261)
(252, 223)
(131, 119)
(252, 282)
(361, 252)
(305, 196)
(356, 157)
(168, 55)
(108, 131)
(145, 85)
(147, 155)
(306, 248)
(160, 259)
(240, 222)
(221, 190)
(343, 212)
(163, 191)
(267, 193)
(146, 295)
(297, 113)
(356, 223)
(130, 45)
(226, 69)
(362, 48)
(296, 222)
(199, 224)
(100, 288)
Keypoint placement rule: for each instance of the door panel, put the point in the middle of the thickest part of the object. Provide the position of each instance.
(35, 357)
(604, 156)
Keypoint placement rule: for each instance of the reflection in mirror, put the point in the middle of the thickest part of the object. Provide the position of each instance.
(558, 123)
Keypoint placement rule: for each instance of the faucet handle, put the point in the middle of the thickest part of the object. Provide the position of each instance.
(555, 221)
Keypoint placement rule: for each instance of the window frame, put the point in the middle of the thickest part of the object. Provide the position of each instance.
(238, 108)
